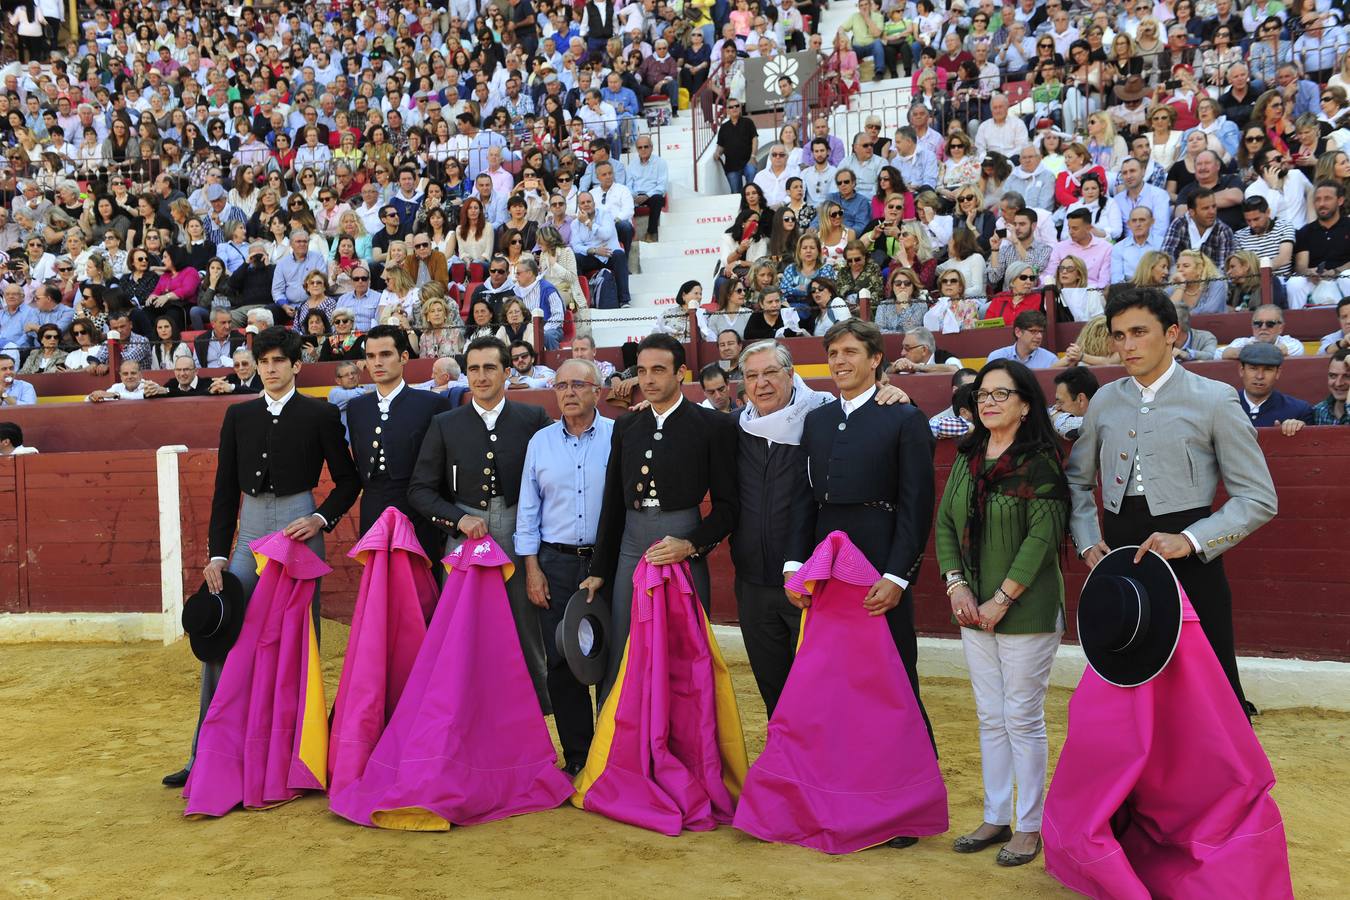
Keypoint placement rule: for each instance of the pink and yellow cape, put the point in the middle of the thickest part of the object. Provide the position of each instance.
(265, 737)
(468, 742)
(848, 763)
(1163, 790)
(668, 752)
(396, 597)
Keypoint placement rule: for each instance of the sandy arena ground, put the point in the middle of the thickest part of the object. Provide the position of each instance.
(86, 732)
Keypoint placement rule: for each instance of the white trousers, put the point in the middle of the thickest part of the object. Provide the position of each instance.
(1009, 674)
(1301, 292)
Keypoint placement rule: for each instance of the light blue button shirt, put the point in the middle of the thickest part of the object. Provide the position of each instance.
(650, 178)
(562, 486)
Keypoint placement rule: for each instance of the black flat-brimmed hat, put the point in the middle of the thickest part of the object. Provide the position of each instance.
(1129, 617)
(583, 637)
(212, 621)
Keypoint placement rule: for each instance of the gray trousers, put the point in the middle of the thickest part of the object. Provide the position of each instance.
(258, 517)
(501, 523)
(642, 528)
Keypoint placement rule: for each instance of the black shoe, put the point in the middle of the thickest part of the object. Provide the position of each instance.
(967, 844)
(176, 780)
(1250, 709)
(1009, 859)
(573, 769)
(900, 843)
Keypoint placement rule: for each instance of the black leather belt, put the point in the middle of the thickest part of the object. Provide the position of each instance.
(569, 549)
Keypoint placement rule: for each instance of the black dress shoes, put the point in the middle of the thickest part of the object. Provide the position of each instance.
(176, 779)
(967, 844)
(573, 769)
(900, 843)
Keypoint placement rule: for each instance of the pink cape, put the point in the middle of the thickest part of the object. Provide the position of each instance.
(265, 737)
(668, 752)
(468, 742)
(848, 763)
(393, 604)
(1164, 791)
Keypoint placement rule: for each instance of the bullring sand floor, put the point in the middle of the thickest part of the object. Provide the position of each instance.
(86, 732)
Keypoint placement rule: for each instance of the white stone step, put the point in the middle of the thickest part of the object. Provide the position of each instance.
(696, 232)
(682, 252)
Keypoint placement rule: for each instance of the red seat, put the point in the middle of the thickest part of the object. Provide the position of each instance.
(569, 328)
(585, 288)
(457, 272)
(1016, 91)
(189, 336)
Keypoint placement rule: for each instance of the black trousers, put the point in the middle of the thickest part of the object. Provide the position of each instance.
(900, 620)
(1204, 582)
(573, 710)
(770, 626)
(653, 205)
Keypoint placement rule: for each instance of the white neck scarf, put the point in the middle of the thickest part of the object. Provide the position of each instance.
(785, 426)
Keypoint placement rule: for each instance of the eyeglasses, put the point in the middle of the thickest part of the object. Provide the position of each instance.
(1253, 139)
(854, 259)
(1025, 277)
(818, 287)
(496, 271)
(843, 181)
(63, 268)
(360, 278)
(422, 246)
(967, 197)
(998, 395)
(1267, 323)
(575, 387)
(836, 214)
(771, 372)
(342, 321)
(950, 281)
(517, 356)
(81, 331)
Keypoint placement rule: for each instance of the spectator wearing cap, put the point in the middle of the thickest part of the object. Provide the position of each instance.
(220, 214)
(1267, 328)
(1259, 368)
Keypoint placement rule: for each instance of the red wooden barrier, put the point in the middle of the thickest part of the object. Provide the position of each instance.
(84, 536)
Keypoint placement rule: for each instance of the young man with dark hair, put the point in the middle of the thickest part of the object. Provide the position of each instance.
(1161, 441)
(272, 452)
(663, 460)
(1028, 334)
(467, 477)
(870, 468)
(1074, 389)
(386, 427)
(718, 393)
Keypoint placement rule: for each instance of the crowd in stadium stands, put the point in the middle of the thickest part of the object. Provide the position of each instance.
(462, 170)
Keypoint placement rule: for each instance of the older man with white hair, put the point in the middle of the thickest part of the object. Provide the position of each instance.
(1001, 133)
(773, 493)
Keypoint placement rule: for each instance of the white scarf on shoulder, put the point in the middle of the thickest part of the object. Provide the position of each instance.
(785, 426)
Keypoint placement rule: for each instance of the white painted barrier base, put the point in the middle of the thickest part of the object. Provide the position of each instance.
(80, 628)
(1269, 682)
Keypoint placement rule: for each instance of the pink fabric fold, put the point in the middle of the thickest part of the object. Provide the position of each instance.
(467, 742)
(264, 738)
(1164, 790)
(397, 593)
(848, 763)
(668, 756)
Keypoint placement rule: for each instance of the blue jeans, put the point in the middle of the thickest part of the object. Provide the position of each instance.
(738, 177)
(877, 50)
(552, 336)
(625, 232)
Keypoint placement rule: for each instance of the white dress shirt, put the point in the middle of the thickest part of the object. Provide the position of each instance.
(489, 416)
(661, 417)
(384, 402)
(617, 200)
